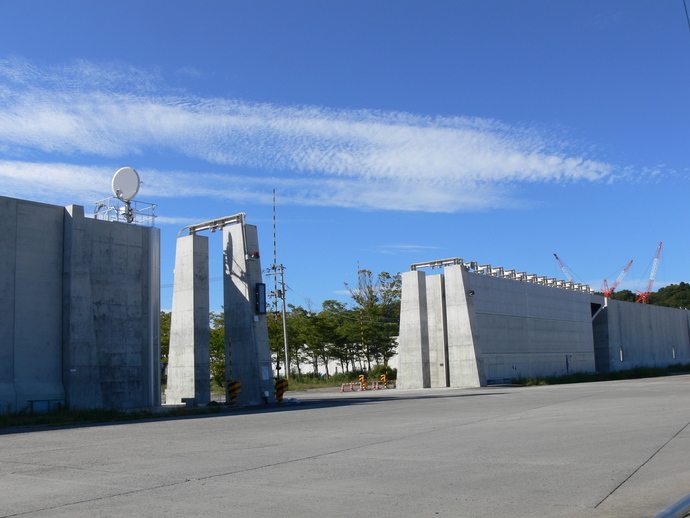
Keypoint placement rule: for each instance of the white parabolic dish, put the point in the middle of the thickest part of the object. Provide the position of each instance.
(126, 183)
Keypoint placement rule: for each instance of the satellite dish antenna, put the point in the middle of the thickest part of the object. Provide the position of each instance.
(126, 184)
(125, 187)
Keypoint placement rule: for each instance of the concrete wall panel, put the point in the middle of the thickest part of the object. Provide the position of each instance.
(110, 272)
(8, 261)
(38, 303)
(413, 340)
(532, 330)
(81, 366)
(642, 334)
(76, 309)
(438, 332)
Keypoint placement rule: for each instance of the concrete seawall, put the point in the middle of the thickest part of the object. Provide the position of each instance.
(79, 309)
(484, 328)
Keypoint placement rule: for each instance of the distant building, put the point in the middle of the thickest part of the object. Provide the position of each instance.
(475, 325)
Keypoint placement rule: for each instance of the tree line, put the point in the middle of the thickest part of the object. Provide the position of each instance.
(356, 336)
(672, 296)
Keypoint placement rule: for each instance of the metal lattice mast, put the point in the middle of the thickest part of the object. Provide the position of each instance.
(605, 285)
(644, 296)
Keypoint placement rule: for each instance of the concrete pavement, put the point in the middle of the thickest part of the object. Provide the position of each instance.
(614, 449)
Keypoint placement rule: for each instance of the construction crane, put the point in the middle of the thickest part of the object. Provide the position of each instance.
(644, 296)
(605, 285)
(564, 268)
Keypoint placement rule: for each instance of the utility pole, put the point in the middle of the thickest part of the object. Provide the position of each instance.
(279, 293)
(285, 332)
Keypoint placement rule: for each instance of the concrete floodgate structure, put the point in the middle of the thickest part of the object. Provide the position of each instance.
(475, 325)
(79, 310)
(248, 357)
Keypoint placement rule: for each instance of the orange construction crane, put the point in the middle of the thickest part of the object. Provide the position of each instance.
(644, 296)
(605, 285)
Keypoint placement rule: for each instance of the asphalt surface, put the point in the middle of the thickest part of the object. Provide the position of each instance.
(614, 449)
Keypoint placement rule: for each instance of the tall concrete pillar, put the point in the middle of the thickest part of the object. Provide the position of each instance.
(438, 333)
(413, 342)
(464, 351)
(189, 371)
(246, 328)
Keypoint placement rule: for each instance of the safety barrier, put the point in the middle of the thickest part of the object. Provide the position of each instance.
(281, 388)
(234, 388)
(376, 385)
(364, 385)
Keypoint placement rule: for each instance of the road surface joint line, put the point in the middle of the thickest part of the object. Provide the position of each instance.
(643, 464)
(301, 459)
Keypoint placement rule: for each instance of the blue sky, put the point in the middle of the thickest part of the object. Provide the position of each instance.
(393, 132)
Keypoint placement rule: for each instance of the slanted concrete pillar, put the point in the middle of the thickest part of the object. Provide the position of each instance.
(464, 351)
(413, 342)
(438, 335)
(189, 372)
(245, 328)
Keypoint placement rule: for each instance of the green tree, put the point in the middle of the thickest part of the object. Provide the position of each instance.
(296, 347)
(217, 347)
(165, 320)
(625, 295)
(377, 303)
(340, 328)
(308, 333)
(274, 321)
(672, 296)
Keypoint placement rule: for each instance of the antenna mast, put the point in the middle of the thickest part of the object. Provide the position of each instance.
(280, 293)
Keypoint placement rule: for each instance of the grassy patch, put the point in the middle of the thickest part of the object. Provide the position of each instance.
(310, 381)
(73, 417)
(584, 377)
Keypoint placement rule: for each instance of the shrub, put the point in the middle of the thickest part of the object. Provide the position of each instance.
(378, 370)
(584, 377)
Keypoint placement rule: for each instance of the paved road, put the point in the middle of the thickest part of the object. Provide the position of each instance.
(615, 449)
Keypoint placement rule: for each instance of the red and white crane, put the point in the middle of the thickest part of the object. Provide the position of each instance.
(644, 296)
(605, 285)
(564, 268)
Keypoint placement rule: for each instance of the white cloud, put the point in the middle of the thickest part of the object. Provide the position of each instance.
(54, 182)
(359, 159)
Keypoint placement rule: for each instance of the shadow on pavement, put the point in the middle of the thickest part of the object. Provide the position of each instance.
(312, 400)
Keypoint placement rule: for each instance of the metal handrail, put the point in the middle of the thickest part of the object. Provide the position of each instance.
(680, 509)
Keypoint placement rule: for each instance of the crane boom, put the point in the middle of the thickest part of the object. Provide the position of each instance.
(605, 286)
(564, 268)
(644, 296)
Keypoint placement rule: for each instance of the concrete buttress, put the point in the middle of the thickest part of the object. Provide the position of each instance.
(189, 371)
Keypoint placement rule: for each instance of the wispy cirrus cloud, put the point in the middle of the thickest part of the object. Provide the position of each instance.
(315, 155)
